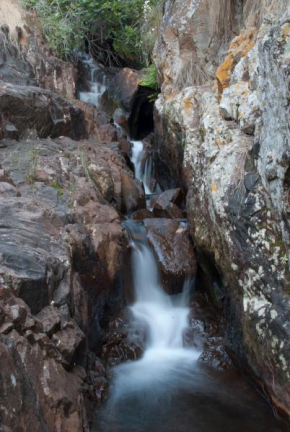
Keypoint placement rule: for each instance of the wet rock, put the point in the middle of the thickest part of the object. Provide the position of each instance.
(175, 196)
(166, 204)
(50, 319)
(129, 103)
(174, 250)
(121, 117)
(123, 340)
(143, 214)
(125, 145)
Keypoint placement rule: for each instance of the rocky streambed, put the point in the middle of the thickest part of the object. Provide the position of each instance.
(84, 184)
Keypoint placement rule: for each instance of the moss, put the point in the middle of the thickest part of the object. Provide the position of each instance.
(58, 188)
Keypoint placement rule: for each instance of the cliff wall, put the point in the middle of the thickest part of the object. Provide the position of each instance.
(222, 126)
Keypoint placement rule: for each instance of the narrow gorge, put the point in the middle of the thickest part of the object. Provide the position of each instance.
(144, 216)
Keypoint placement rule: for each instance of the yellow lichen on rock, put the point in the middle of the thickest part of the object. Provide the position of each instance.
(239, 48)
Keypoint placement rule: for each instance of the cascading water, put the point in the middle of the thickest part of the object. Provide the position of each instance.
(168, 389)
(143, 163)
(165, 319)
(97, 84)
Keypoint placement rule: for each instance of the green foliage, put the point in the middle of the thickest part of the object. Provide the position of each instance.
(117, 28)
(149, 80)
(58, 188)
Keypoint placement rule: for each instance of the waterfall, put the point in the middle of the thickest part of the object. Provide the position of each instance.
(143, 162)
(97, 85)
(165, 319)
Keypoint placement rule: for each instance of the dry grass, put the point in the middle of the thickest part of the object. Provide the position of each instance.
(191, 74)
(11, 15)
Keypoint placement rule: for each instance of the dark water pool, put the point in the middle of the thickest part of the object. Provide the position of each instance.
(194, 399)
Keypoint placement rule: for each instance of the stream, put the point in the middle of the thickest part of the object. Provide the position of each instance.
(168, 389)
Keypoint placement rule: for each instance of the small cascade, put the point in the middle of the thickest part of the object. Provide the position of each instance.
(164, 318)
(142, 158)
(97, 83)
(143, 163)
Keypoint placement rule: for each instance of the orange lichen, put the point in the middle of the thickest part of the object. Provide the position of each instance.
(214, 188)
(239, 48)
(188, 105)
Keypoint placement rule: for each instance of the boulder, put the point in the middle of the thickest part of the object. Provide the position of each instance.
(30, 108)
(175, 196)
(168, 203)
(7, 190)
(129, 103)
(143, 214)
(228, 144)
(133, 194)
(174, 250)
(123, 89)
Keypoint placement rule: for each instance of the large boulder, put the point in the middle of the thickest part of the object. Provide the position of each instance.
(168, 204)
(129, 103)
(32, 110)
(174, 250)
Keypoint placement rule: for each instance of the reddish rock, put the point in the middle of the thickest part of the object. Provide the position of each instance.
(173, 247)
(125, 145)
(121, 118)
(175, 196)
(122, 90)
(143, 214)
(122, 340)
(170, 211)
(50, 319)
(68, 340)
(133, 194)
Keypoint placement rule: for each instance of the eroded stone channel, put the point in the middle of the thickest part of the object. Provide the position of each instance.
(167, 364)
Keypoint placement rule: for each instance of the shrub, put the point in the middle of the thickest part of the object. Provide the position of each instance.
(149, 80)
(114, 28)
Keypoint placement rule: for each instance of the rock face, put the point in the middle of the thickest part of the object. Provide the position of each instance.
(224, 134)
(62, 248)
(26, 59)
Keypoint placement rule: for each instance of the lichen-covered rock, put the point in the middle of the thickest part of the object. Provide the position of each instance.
(229, 145)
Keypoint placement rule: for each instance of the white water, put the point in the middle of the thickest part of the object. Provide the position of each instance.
(165, 318)
(97, 88)
(143, 164)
